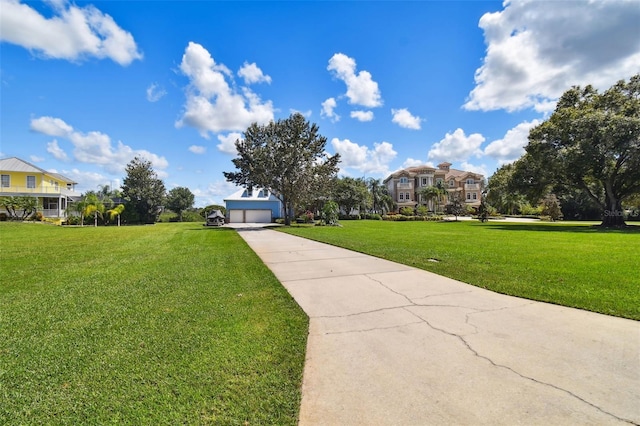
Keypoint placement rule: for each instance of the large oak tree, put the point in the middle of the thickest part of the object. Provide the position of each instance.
(287, 157)
(591, 142)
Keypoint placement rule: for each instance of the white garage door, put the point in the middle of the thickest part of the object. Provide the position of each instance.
(258, 216)
(250, 216)
(236, 216)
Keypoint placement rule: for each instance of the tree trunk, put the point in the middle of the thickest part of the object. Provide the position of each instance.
(613, 216)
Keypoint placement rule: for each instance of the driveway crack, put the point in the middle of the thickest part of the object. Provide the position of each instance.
(506, 367)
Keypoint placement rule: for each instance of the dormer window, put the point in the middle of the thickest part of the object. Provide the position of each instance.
(470, 181)
(404, 180)
(452, 183)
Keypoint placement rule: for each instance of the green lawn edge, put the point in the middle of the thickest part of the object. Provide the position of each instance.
(160, 324)
(569, 264)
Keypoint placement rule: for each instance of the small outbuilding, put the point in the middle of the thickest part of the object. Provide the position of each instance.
(215, 218)
(253, 206)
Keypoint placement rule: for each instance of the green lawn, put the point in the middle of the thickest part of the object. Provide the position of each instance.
(162, 324)
(567, 264)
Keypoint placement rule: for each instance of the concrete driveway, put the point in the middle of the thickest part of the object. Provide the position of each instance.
(393, 345)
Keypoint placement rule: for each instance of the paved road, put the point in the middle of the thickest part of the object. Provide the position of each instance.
(393, 345)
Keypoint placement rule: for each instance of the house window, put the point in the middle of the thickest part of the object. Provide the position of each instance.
(474, 195)
(31, 181)
(424, 181)
(470, 181)
(452, 183)
(401, 196)
(468, 196)
(56, 185)
(6, 181)
(404, 180)
(407, 196)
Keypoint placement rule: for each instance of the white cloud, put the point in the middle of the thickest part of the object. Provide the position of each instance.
(456, 146)
(537, 50)
(94, 147)
(364, 159)
(305, 114)
(51, 126)
(362, 115)
(361, 89)
(58, 153)
(511, 146)
(228, 143)
(252, 74)
(88, 180)
(412, 162)
(212, 105)
(403, 118)
(328, 107)
(72, 33)
(214, 193)
(197, 149)
(468, 167)
(36, 159)
(155, 93)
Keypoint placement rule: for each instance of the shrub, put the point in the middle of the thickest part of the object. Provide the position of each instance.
(406, 211)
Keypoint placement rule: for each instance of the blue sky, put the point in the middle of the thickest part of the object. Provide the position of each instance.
(86, 86)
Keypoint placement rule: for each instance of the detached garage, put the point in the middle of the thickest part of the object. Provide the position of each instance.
(256, 206)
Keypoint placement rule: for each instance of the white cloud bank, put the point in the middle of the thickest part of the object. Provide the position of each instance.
(511, 146)
(72, 33)
(362, 158)
(93, 147)
(538, 49)
(212, 104)
(456, 146)
(362, 115)
(252, 74)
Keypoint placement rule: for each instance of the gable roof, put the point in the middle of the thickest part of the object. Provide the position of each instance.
(15, 164)
(255, 195)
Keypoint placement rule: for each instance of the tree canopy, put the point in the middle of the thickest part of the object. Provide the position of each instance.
(351, 193)
(287, 157)
(143, 190)
(591, 142)
(180, 199)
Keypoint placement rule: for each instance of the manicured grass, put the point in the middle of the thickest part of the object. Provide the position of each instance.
(572, 265)
(162, 324)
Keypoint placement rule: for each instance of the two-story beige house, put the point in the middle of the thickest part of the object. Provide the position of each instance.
(53, 191)
(405, 185)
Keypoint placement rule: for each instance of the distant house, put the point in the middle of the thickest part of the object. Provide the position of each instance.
(405, 185)
(253, 206)
(53, 191)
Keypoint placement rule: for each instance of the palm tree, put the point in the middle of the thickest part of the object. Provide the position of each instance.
(116, 212)
(434, 193)
(380, 198)
(94, 205)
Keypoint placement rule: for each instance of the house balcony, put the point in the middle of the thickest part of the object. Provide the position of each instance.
(39, 191)
(405, 185)
(472, 187)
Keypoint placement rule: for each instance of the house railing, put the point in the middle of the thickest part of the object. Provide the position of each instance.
(405, 185)
(40, 191)
(471, 186)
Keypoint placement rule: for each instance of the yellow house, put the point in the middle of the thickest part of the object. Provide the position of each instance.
(53, 191)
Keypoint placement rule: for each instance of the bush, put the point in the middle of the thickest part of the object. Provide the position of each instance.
(372, 216)
(3, 217)
(406, 211)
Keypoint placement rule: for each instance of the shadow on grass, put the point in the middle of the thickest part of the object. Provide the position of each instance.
(560, 227)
